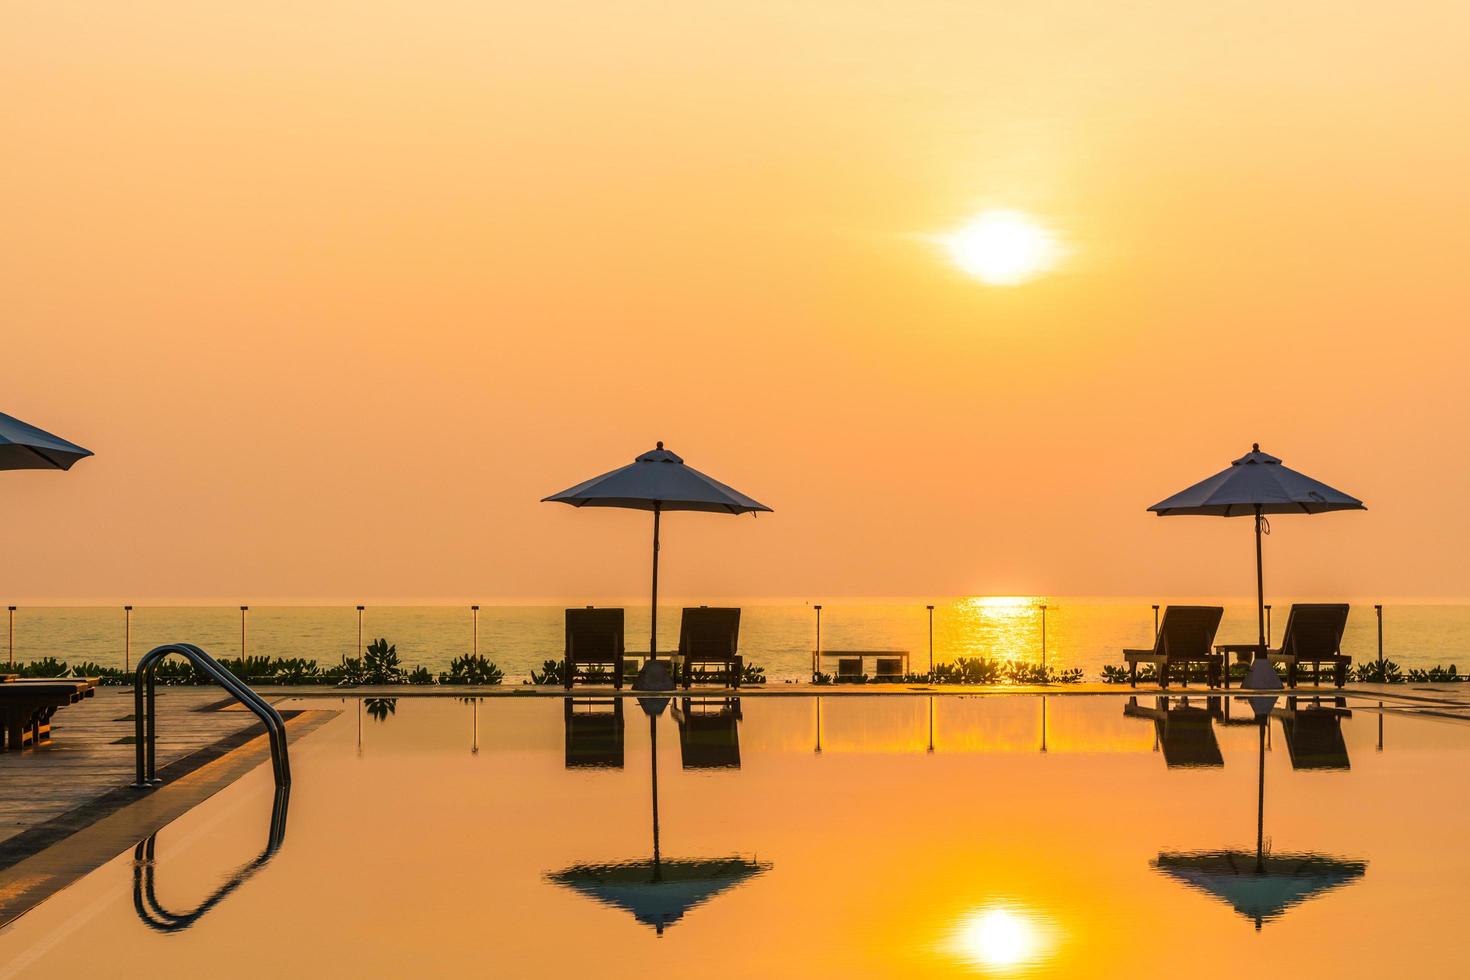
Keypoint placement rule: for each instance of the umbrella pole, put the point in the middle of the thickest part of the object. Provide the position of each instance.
(1260, 590)
(653, 758)
(653, 613)
(1261, 803)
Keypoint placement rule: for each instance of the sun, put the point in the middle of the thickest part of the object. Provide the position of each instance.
(1000, 939)
(1002, 248)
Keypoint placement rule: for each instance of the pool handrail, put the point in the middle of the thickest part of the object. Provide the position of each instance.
(145, 716)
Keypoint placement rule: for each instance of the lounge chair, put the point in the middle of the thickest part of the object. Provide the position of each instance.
(594, 639)
(1185, 637)
(594, 733)
(1314, 733)
(849, 670)
(1314, 636)
(1186, 732)
(888, 669)
(709, 637)
(709, 733)
(27, 705)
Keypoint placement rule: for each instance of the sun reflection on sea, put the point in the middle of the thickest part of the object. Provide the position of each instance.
(1006, 627)
(1002, 939)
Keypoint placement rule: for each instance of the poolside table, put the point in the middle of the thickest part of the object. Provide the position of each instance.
(27, 704)
(1244, 653)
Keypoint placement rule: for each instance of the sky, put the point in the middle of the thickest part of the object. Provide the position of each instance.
(338, 291)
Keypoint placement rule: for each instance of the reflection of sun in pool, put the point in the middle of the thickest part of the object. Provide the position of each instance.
(1000, 939)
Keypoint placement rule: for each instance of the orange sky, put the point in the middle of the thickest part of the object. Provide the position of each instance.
(338, 291)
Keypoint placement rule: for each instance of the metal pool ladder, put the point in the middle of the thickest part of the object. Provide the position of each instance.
(145, 717)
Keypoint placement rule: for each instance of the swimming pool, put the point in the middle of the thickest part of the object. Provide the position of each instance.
(848, 835)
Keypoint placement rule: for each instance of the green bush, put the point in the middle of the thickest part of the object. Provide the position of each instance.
(420, 675)
(752, 674)
(380, 664)
(1375, 672)
(106, 676)
(1434, 675)
(472, 669)
(820, 678)
(45, 667)
(551, 673)
(348, 673)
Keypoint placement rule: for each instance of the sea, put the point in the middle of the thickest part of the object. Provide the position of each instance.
(777, 634)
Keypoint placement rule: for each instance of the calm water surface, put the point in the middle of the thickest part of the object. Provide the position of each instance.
(1066, 836)
(778, 635)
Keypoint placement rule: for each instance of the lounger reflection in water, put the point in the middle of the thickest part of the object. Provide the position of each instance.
(1313, 730)
(1185, 730)
(709, 732)
(594, 732)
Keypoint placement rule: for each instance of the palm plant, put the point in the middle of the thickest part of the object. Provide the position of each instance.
(380, 664)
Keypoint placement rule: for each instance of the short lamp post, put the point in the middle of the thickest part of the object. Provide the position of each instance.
(359, 630)
(1156, 622)
(1043, 634)
(475, 632)
(931, 644)
(1377, 610)
(243, 611)
(12, 635)
(1268, 624)
(817, 653)
(127, 637)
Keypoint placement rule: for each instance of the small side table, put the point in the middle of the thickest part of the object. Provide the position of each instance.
(1244, 653)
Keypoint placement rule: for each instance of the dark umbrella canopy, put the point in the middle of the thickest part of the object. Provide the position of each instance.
(1260, 891)
(25, 447)
(658, 893)
(658, 481)
(1256, 485)
(1257, 480)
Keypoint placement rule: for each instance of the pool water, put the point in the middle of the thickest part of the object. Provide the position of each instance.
(842, 836)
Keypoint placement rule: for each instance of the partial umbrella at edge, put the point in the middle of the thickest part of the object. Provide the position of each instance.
(25, 447)
(658, 481)
(1256, 485)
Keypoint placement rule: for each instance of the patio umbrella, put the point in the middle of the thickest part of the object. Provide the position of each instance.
(1256, 485)
(25, 447)
(657, 481)
(658, 892)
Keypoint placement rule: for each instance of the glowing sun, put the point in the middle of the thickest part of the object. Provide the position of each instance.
(1002, 248)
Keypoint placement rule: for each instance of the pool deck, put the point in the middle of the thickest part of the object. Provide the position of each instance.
(68, 806)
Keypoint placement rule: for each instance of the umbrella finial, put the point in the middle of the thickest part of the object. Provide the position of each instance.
(660, 444)
(1255, 447)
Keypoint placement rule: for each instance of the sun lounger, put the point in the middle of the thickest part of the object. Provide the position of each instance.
(27, 705)
(1185, 638)
(1314, 733)
(594, 733)
(1314, 636)
(1186, 732)
(709, 733)
(709, 637)
(888, 669)
(849, 669)
(594, 640)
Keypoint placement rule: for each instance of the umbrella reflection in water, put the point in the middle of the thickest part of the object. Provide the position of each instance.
(1263, 885)
(659, 891)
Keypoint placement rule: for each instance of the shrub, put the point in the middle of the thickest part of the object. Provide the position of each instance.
(820, 678)
(420, 675)
(551, 673)
(1436, 674)
(752, 674)
(106, 676)
(346, 674)
(296, 670)
(1375, 672)
(472, 669)
(380, 664)
(45, 667)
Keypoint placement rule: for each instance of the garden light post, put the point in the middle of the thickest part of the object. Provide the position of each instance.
(1378, 611)
(359, 631)
(1268, 625)
(1156, 622)
(817, 654)
(1043, 634)
(12, 635)
(127, 636)
(931, 642)
(243, 611)
(475, 630)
